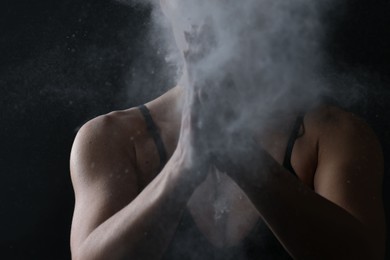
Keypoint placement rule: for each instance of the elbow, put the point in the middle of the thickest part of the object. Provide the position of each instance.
(355, 246)
(364, 243)
(79, 254)
(83, 252)
(361, 248)
(99, 251)
(88, 255)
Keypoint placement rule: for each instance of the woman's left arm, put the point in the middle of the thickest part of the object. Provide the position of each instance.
(343, 217)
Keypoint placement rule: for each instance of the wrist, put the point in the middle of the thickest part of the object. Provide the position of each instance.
(187, 170)
(256, 170)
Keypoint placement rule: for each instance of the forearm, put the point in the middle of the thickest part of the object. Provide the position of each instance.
(308, 225)
(143, 228)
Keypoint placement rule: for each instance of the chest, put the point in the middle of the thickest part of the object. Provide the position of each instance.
(224, 214)
(221, 211)
(219, 208)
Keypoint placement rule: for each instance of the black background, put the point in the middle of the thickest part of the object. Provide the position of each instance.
(66, 61)
(62, 63)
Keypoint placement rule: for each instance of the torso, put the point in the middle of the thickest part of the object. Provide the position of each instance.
(220, 209)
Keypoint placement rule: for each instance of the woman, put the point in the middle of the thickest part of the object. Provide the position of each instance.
(148, 186)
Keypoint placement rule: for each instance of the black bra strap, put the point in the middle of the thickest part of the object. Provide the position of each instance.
(152, 128)
(290, 144)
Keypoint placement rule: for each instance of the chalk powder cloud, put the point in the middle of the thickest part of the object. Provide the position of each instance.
(253, 60)
(263, 56)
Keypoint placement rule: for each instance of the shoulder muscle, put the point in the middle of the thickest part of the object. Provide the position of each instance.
(350, 168)
(103, 172)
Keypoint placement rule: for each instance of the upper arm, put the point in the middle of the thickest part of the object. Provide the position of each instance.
(103, 175)
(350, 172)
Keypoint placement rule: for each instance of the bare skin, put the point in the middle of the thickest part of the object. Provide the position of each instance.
(125, 209)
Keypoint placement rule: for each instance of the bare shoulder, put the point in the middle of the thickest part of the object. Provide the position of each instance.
(350, 162)
(103, 169)
(114, 126)
(103, 149)
(346, 140)
(350, 167)
(334, 121)
(109, 133)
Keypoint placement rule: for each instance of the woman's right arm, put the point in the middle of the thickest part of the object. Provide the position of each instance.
(113, 219)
